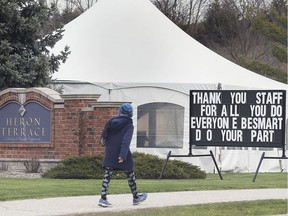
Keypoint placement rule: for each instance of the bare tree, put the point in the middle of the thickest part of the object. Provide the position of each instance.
(81, 5)
(227, 29)
(230, 29)
(184, 13)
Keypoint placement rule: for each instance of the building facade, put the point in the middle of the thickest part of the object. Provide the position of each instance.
(38, 123)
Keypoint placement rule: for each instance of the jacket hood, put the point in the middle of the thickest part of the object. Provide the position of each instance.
(119, 122)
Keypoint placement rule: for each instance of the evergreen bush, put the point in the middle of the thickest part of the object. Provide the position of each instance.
(146, 167)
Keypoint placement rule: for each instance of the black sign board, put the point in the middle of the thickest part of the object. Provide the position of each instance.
(252, 118)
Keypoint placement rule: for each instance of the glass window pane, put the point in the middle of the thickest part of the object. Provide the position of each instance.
(160, 125)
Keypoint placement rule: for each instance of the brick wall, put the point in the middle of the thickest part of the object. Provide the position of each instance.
(76, 124)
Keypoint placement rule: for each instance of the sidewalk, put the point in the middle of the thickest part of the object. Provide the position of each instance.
(123, 202)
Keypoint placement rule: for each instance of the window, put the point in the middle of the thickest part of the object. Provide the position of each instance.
(160, 125)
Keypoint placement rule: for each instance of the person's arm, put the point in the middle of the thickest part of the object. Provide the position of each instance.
(125, 145)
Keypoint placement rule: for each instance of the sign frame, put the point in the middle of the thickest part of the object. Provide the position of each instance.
(28, 123)
(206, 106)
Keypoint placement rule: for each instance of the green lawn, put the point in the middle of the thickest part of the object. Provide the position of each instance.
(12, 189)
(266, 207)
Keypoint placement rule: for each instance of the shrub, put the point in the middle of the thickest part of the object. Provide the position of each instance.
(146, 167)
(149, 167)
(32, 165)
(4, 166)
(79, 167)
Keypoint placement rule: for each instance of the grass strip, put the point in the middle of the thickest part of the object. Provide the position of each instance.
(263, 207)
(14, 189)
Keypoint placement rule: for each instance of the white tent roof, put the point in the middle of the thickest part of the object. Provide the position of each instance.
(132, 41)
(127, 50)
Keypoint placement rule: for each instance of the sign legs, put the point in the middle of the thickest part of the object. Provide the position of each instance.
(262, 158)
(190, 155)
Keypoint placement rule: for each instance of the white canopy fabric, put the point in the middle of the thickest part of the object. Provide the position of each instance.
(132, 41)
(127, 50)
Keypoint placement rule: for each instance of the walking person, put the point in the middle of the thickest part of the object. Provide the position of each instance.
(116, 137)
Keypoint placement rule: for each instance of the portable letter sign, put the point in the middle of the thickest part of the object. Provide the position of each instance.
(254, 118)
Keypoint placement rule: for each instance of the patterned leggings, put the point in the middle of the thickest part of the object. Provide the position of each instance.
(107, 178)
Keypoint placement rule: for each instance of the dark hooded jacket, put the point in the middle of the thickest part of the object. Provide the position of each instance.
(117, 136)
